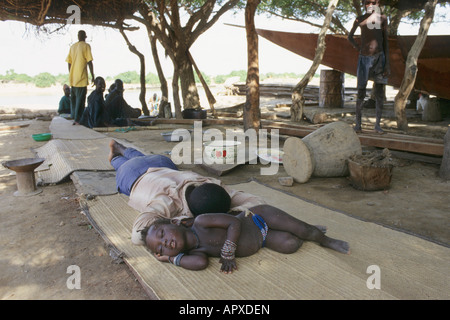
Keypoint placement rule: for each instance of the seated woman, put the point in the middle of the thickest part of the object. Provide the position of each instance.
(95, 114)
(227, 236)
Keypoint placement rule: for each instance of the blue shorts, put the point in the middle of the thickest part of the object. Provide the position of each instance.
(262, 225)
(134, 164)
(371, 68)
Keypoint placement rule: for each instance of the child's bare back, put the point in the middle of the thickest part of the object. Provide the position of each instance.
(212, 238)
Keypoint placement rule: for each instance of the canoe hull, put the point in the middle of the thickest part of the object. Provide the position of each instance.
(433, 64)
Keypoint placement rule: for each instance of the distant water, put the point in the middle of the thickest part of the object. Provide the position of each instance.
(51, 101)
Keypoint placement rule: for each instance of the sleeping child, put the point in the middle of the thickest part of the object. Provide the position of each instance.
(227, 236)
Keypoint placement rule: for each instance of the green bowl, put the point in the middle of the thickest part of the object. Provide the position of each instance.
(42, 136)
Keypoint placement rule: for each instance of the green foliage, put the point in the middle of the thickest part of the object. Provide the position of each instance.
(12, 76)
(242, 74)
(128, 77)
(41, 80)
(62, 78)
(152, 79)
(44, 80)
(205, 77)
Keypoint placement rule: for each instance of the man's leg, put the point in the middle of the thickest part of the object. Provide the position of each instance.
(80, 103)
(362, 78)
(73, 102)
(130, 164)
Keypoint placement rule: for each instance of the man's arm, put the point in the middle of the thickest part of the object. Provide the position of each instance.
(69, 66)
(91, 68)
(352, 33)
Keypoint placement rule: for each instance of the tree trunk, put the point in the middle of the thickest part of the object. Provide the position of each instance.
(142, 72)
(298, 100)
(162, 78)
(184, 79)
(410, 75)
(252, 113)
(176, 94)
(208, 92)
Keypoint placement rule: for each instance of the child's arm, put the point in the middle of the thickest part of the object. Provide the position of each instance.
(352, 33)
(233, 227)
(387, 66)
(196, 261)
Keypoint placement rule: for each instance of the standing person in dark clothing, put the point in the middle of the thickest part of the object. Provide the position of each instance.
(373, 61)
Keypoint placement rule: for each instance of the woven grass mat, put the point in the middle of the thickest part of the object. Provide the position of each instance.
(63, 129)
(63, 157)
(410, 267)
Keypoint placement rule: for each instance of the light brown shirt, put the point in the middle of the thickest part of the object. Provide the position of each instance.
(160, 193)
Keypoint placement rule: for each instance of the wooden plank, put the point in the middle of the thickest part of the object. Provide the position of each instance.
(391, 141)
(403, 144)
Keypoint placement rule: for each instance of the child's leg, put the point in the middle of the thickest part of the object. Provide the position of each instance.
(379, 98)
(279, 220)
(362, 78)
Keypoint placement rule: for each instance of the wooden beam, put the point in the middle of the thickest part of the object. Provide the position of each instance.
(391, 141)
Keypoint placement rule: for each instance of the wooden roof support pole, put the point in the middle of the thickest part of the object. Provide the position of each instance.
(298, 100)
(141, 57)
(252, 112)
(208, 92)
(411, 66)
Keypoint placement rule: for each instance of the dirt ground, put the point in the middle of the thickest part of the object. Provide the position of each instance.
(43, 235)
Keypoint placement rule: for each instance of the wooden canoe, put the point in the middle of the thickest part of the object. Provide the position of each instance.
(433, 75)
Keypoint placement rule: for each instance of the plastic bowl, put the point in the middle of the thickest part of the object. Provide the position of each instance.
(42, 136)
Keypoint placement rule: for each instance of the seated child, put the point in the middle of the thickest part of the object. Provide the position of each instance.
(227, 236)
(64, 103)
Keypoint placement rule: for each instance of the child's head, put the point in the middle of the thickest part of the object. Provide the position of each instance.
(66, 90)
(164, 238)
(371, 4)
(208, 198)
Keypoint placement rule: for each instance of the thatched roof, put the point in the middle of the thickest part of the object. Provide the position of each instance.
(106, 12)
(408, 4)
(39, 12)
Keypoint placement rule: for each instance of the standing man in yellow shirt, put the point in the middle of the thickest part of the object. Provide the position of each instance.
(79, 58)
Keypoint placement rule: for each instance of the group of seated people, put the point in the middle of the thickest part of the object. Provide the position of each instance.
(101, 111)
